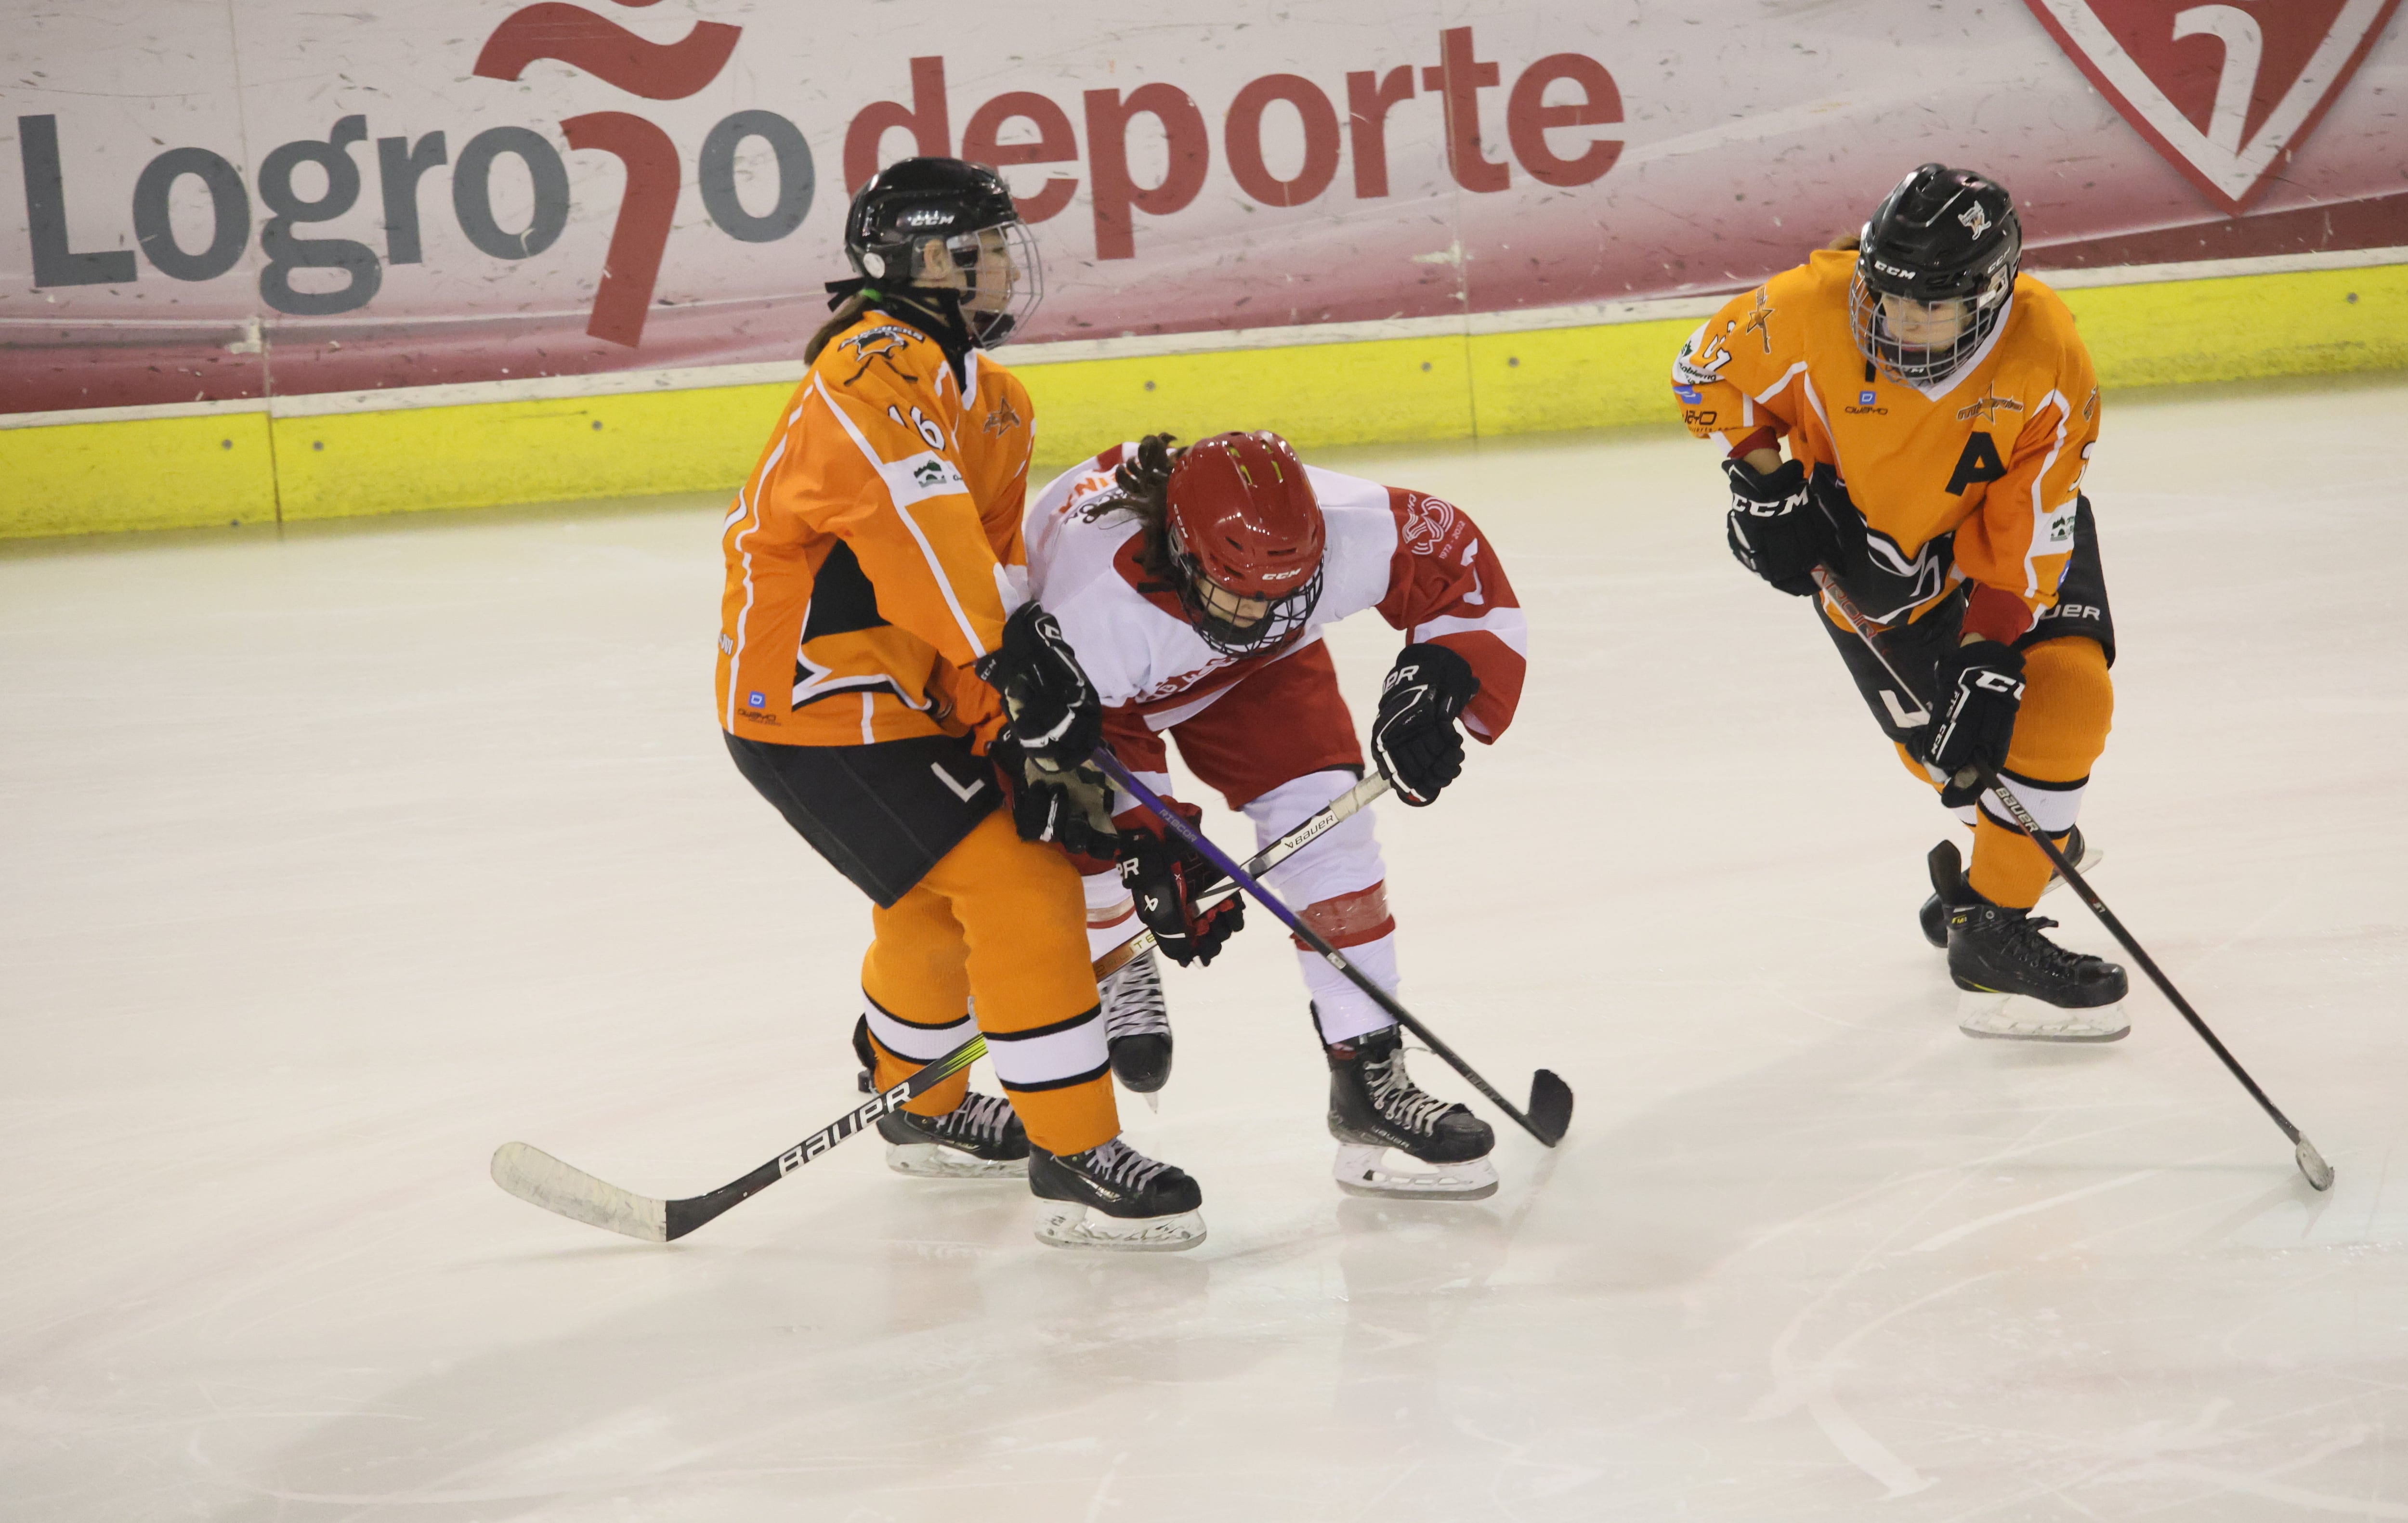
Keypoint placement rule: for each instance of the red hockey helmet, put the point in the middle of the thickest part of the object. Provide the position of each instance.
(1246, 538)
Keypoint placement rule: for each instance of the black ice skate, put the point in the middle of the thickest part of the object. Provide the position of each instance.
(1374, 1105)
(2016, 983)
(1115, 1197)
(2085, 857)
(1137, 1025)
(978, 1139)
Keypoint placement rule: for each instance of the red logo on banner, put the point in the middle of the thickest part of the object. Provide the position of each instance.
(2227, 93)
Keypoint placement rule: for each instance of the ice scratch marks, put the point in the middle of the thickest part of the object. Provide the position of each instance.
(2264, 1483)
(1813, 1387)
(1965, 1229)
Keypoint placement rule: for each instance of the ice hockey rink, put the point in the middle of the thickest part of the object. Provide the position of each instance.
(335, 859)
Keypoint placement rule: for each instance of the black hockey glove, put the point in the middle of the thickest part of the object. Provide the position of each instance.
(1775, 529)
(1071, 807)
(1166, 876)
(1414, 738)
(1057, 718)
(1978, 687)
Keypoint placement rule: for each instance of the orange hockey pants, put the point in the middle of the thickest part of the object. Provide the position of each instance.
(996, 930)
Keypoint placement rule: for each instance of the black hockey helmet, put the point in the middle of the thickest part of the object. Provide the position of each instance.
(911, 208)
(1934, 269)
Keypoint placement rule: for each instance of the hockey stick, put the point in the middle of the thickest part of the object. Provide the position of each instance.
(1551, 1098)
(539, 1178)
(2312, 1164)
(1338, 811)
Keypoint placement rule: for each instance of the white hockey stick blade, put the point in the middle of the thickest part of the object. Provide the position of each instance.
(2312, 1164)
(539, 1178)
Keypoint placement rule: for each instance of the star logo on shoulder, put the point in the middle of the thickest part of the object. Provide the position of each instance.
(1986, 406)
(1759, 322)
(1003, 419)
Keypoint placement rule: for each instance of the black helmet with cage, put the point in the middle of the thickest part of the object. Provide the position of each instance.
(1935, 267)
(923, 226)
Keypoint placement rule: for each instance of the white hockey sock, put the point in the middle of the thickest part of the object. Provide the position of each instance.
(1346, 1012)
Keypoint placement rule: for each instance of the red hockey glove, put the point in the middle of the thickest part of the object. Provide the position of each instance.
(1166, 876)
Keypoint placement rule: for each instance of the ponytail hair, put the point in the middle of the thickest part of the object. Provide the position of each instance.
(848, 312)
(1142, 490)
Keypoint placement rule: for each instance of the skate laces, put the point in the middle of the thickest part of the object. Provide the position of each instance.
(979, 1119)
(1398, 1099)
(1133, 1001)
(1116, 1162)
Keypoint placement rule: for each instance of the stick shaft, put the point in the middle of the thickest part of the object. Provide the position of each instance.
(681, 1216)
(1989, 778)
(1336, 813)
(1127, 780)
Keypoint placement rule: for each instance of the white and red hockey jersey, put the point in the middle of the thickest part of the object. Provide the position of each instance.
(1417, 559)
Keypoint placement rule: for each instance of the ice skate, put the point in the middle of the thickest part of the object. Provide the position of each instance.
(978, 1139)
(1395, 1139)
(2018, 985)
(2085, 857)
(1137, 1024)
(1115, 1197)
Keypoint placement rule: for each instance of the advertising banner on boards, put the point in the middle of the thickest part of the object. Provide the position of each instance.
(213, 201)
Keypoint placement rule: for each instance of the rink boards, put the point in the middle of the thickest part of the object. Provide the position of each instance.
(563, 438)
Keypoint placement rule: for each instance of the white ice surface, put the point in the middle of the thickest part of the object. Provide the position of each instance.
(329, 863)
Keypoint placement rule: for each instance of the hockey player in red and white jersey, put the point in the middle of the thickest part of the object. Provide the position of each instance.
(1194, 584)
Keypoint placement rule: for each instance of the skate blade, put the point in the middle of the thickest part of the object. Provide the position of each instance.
(2092, 855)
(933, 1161)
(1061, 1224)
(2016, 1019)
(1365, 1171)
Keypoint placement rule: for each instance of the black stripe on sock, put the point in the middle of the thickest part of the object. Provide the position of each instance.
(1096, 1072)
(1092, 1013)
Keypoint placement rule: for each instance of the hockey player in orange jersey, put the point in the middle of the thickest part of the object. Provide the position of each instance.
(876, 636)
(1939, 411)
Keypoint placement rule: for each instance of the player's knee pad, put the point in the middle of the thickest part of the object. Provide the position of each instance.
(2069, 703)
(1345, 861)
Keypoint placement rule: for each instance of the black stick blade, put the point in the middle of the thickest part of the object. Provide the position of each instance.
(1551, 1106)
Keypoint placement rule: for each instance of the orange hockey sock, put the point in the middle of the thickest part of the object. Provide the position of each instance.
(2061, 729)
(999, 927)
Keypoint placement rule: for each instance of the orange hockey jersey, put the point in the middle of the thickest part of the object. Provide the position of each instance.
(1976, 479)
(875, 551)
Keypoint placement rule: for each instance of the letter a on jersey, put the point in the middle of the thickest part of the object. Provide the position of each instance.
(2225, 94)
(1979, 462)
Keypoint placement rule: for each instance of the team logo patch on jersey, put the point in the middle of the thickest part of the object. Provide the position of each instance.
(1428, 520)
(2228, 116)
(1759, 322)
(1866, 398)
(1987, 407)
(1688, 393)
(753, 700)
(1004, 418)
